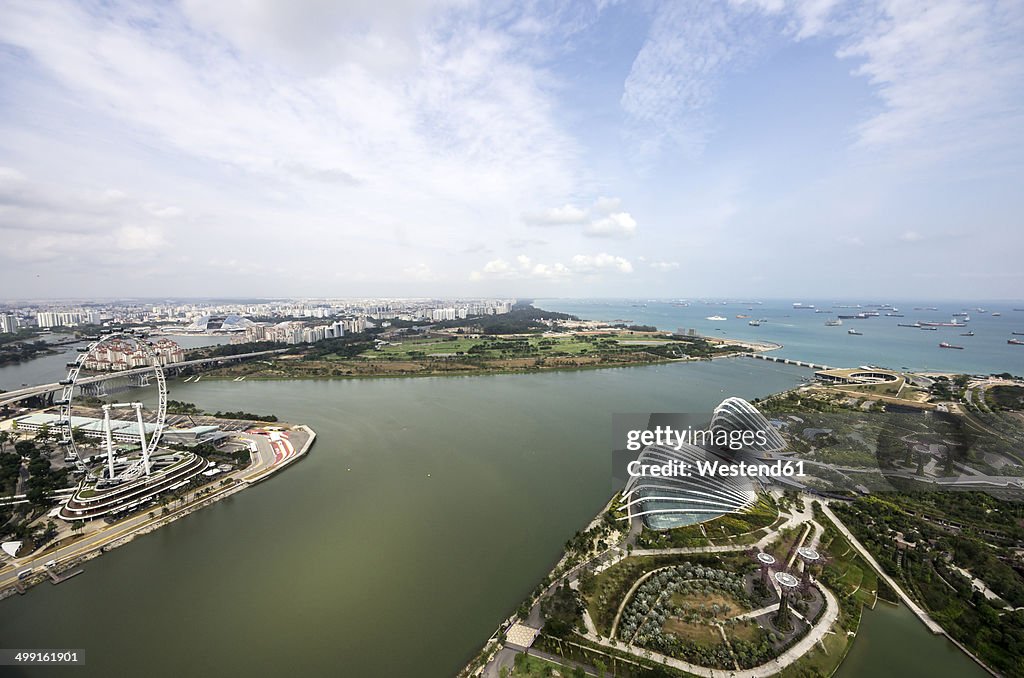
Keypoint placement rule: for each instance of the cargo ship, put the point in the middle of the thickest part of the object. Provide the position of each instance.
(948, 345)
(1015, 342)
(908, 324)
(952, 323)
(833, 323)
(967, 334)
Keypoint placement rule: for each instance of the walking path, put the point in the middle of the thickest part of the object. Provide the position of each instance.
(814, 635)
(868, 558)
(802, 646)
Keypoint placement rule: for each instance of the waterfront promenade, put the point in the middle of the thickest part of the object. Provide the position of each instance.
(270, 457)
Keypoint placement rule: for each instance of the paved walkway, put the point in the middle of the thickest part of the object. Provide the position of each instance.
(613, 555)
(802, 647)
(868, 558)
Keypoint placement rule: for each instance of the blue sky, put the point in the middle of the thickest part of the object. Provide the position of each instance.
(736, 148)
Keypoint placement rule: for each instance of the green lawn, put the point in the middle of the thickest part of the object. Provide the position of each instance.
(502, 346)
(532, 667)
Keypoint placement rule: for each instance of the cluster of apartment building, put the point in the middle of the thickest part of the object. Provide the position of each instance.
(68, 318)
(185, 313)
(294, 332)
(117, 355)
(11, 322)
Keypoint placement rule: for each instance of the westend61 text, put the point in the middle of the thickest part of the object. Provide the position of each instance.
(717, 469)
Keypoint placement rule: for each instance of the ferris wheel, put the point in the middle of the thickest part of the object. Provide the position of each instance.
(152, 367)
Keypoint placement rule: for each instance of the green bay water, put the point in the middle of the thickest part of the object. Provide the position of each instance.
(891, 641)
(426, 511)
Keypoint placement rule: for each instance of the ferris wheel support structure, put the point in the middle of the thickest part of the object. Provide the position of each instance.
(66, 402)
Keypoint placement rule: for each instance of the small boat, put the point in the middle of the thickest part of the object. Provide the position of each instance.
(1019, 334)
(908, 324)
(996, 314)
(740, 315)
(833, 323)
(852, 331)
(894, 315)
(930, 327)
(948, 345)
(1015, 342)
(967, 334)
(754, 323)
(716, 317)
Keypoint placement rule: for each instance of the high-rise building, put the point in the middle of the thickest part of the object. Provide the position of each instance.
(8, 323)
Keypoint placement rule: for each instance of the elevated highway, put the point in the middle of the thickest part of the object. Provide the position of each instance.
(10, 397)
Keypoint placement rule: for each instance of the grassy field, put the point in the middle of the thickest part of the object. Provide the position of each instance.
(609, 587)
(702, 634)
(512, 345)
(729, 606)
(534, 667)
(748, 631)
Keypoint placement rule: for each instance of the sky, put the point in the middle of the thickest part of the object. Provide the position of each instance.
(738, 148)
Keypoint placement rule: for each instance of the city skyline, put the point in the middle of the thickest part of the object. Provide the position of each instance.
(730, 149)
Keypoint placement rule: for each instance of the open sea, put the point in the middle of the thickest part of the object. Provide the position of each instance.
(804, 336)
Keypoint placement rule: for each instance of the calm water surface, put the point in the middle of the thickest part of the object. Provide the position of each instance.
(804, 335)
(426, 511)
(891, 641)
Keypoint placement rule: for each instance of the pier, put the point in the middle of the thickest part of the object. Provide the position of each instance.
(63, 576)
(790, 361)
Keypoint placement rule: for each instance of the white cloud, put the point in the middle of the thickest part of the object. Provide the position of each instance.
(164, 211)
(664, 266)
(525, 268)
(606, 205)
(615, 225)
(558, 216)
(597, 263)
(675, 76)
(911, 236)
(942, 71)
(600, 220)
